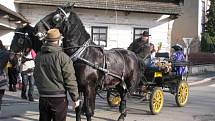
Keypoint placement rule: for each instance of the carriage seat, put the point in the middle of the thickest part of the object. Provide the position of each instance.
(162, 55)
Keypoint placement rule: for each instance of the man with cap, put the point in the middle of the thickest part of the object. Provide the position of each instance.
(141, 46)
(54, 76)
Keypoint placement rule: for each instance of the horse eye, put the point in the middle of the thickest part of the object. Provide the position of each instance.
(21, 41)
(57, 19)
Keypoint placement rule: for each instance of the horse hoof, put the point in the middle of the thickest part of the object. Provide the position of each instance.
(121, 118)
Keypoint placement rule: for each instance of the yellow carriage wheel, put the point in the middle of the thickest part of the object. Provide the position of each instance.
(116, 100)
(113, 99)
(182, 95)
(156, 100)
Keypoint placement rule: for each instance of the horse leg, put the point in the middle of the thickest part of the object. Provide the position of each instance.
(89, 99)
(122, 107)
(78, 111)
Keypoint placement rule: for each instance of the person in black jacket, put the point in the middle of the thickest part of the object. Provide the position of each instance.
(141, 48)
(4, 56)
(13, 71)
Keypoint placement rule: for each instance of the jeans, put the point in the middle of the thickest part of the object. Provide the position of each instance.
(53, 108)
(1, 96)
(27, 80)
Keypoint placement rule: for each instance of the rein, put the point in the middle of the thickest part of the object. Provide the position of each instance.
(23, 50)
(77, 56)
(67, 48)
(26, 34)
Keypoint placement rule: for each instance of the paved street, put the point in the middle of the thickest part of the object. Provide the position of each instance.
(201, 106)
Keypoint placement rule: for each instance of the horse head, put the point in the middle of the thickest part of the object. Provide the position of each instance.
(69, 25)
(24, 38)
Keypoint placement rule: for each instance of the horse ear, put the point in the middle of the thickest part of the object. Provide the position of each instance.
(69, 7)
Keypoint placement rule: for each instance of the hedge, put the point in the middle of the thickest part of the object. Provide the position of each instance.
(201, 58)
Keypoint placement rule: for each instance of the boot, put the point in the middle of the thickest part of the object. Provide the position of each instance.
(14, 88)
(23, 96)
(10, 88)
(23, 93)
(30, 98)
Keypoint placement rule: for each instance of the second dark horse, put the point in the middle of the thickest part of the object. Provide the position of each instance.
(94, 67)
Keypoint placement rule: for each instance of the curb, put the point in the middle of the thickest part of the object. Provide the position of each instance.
(202, 81)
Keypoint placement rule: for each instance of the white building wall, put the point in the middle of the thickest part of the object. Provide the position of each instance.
(9, 4)
(199, 18)
(200, 6)
(7, 35)
(120, 24)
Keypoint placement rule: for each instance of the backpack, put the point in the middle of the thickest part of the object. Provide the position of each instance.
(4, 57)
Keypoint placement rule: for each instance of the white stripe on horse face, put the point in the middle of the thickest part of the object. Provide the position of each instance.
(41, 35)
(21, 33)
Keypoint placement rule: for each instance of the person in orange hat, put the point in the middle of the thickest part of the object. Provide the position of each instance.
(54, 76)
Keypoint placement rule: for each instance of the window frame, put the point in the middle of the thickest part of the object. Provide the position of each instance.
(142, 29)
(99, 34)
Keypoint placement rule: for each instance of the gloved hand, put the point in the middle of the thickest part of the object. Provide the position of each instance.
(76, 104)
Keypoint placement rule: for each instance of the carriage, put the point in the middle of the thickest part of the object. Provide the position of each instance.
(162, 78)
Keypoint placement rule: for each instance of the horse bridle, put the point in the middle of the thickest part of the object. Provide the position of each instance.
(64, 18)
(26, 36)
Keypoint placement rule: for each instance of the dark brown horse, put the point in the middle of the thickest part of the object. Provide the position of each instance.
(94, 67)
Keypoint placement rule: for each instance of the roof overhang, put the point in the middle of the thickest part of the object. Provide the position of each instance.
(145, 6)
(6, 27)
(11, 15)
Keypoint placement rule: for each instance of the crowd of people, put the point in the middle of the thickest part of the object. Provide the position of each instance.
(15, 68)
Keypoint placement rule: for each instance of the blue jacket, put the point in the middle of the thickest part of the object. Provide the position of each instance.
(179, 56)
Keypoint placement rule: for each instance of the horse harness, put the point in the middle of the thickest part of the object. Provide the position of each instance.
(77, 56)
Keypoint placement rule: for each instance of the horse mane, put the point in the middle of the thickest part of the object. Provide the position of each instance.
(74, 32)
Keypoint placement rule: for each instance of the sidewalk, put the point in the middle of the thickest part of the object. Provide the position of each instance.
(200, 78)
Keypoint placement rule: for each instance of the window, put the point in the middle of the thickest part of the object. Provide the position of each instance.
(138, 32)
(99, 35)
